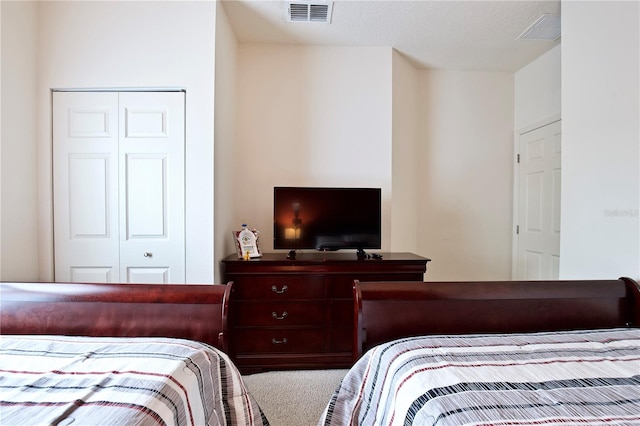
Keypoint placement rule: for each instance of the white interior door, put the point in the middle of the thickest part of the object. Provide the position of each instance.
(152, 187)
(538, 242)
(119, 187)
(85, 186)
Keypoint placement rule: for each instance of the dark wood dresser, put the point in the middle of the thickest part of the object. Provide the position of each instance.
(290, 314)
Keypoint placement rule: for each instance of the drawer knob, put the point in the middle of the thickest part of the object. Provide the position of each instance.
(279, 342)
(275, 289)
(279, 317)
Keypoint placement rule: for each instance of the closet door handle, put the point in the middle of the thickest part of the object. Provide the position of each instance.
(275, 289)
(279, 317)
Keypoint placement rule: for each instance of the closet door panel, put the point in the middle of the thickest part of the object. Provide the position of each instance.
(89, 185)
(147, 275)
(152, 187)
(146, 215)
(85, 186)
(92, 275)
(119, 186)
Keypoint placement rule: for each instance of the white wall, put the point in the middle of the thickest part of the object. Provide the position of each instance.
(601, 140)
(310, 116)
(405, 222)
(225, 137)
(18, 184)
(135, 45)
(466, 175)
(538, 90)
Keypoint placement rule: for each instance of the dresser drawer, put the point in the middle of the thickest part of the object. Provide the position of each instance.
(341, 340)
(273, 341)
(278, 314)
(341, 313)
(278, 287)
(342, 287)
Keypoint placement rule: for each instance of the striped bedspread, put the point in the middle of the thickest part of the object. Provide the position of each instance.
(567, 378)
(56, 380)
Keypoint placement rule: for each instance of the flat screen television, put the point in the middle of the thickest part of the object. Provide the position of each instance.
(326, 219)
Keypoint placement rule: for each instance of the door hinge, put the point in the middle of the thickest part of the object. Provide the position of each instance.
(518, 159)
(517, 229)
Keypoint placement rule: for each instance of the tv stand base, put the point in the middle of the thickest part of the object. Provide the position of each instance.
(364, 255)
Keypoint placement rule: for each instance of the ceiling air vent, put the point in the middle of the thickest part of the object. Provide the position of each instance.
(546, 27)
(310, 11)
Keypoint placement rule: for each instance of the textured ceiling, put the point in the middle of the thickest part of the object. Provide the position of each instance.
(455, 35)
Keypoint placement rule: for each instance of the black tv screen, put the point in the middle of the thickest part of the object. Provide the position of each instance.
(326, 218)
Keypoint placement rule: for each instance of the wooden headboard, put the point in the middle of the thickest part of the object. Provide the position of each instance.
(385, 311)
(195, 312)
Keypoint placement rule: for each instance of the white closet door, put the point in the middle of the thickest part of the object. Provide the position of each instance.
(119, 187)
(85, 186)
(152, 201)
(538, 251)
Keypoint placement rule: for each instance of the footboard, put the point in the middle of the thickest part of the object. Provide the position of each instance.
(195, 312)
(385, 311)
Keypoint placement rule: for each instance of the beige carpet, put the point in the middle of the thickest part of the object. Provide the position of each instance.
(293, 398)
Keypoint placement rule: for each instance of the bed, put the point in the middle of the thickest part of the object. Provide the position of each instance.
(492, 353)
(79, 353)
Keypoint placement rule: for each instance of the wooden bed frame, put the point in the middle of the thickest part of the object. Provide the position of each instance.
(195, 312)
(385, 311)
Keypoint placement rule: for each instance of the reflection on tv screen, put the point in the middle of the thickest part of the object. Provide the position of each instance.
(327, 218)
